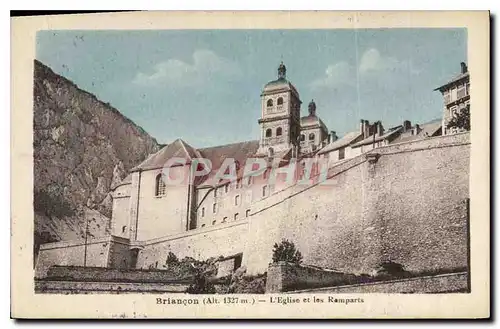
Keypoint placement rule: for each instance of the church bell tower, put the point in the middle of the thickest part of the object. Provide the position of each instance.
(280, 116)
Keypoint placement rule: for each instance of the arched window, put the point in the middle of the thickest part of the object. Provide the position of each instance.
(302, 137)
(160, 185)
(124, 228)
(214, 222)
(269, 132)
(203, 212)
(236, 216)
(279, 131)
(224, 219)
(236, 200)
(280, 101)
(269, 102)
(311, 136)
(247, 213)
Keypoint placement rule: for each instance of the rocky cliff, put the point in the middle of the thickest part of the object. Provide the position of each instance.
(82, 146)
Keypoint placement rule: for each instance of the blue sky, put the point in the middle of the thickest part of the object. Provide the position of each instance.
(204, 85)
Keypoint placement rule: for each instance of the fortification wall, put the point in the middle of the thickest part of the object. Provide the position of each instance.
(71, 253)
(407, 204)
(222, 240)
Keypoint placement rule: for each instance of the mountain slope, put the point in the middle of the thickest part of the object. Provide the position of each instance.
(81, 147)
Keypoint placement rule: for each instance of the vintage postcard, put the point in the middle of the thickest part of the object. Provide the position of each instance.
(251, 165)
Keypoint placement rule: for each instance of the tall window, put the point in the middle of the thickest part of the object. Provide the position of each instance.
(302, 137)
(279, 131)
(236, 200)
(269, 102)
(249, 180)
(215, 192)
(341, 153)
(264, 190)
(160, 185)
(236, 216)
(214, 208)
(124, 228)
(203, 212)
(226, 188)
(311, 136)
(247, 213)
(269, 132)
(280, 101)
(461, 92)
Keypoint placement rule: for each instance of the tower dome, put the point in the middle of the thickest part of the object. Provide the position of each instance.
(281, 83)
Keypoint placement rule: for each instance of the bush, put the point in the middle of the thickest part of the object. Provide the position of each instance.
(201, 284)
(172, 258)
(285, 251)
(390, 268)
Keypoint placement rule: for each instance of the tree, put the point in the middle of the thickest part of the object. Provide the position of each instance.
(461, 120)
(285, 251)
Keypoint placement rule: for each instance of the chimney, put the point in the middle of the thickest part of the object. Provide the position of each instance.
(417, 129)
(362, 127)
(380, 129)
(463, 67)
(366, 127)
(406, 125)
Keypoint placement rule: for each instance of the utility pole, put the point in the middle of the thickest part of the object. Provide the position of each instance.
(86, 237)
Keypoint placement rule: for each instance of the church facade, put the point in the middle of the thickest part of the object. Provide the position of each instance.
(360, 192)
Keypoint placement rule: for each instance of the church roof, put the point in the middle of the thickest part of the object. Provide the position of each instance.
(125, 181)
(240, 152)
(177, 149)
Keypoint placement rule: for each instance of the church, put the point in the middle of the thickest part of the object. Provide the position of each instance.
(375, 191)
(142, 201)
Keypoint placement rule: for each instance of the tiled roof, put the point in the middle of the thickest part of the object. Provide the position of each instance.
(430, 128)
(240, 152)
(370, 139)
(455, 79)
(341, 142)
(177, 149)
